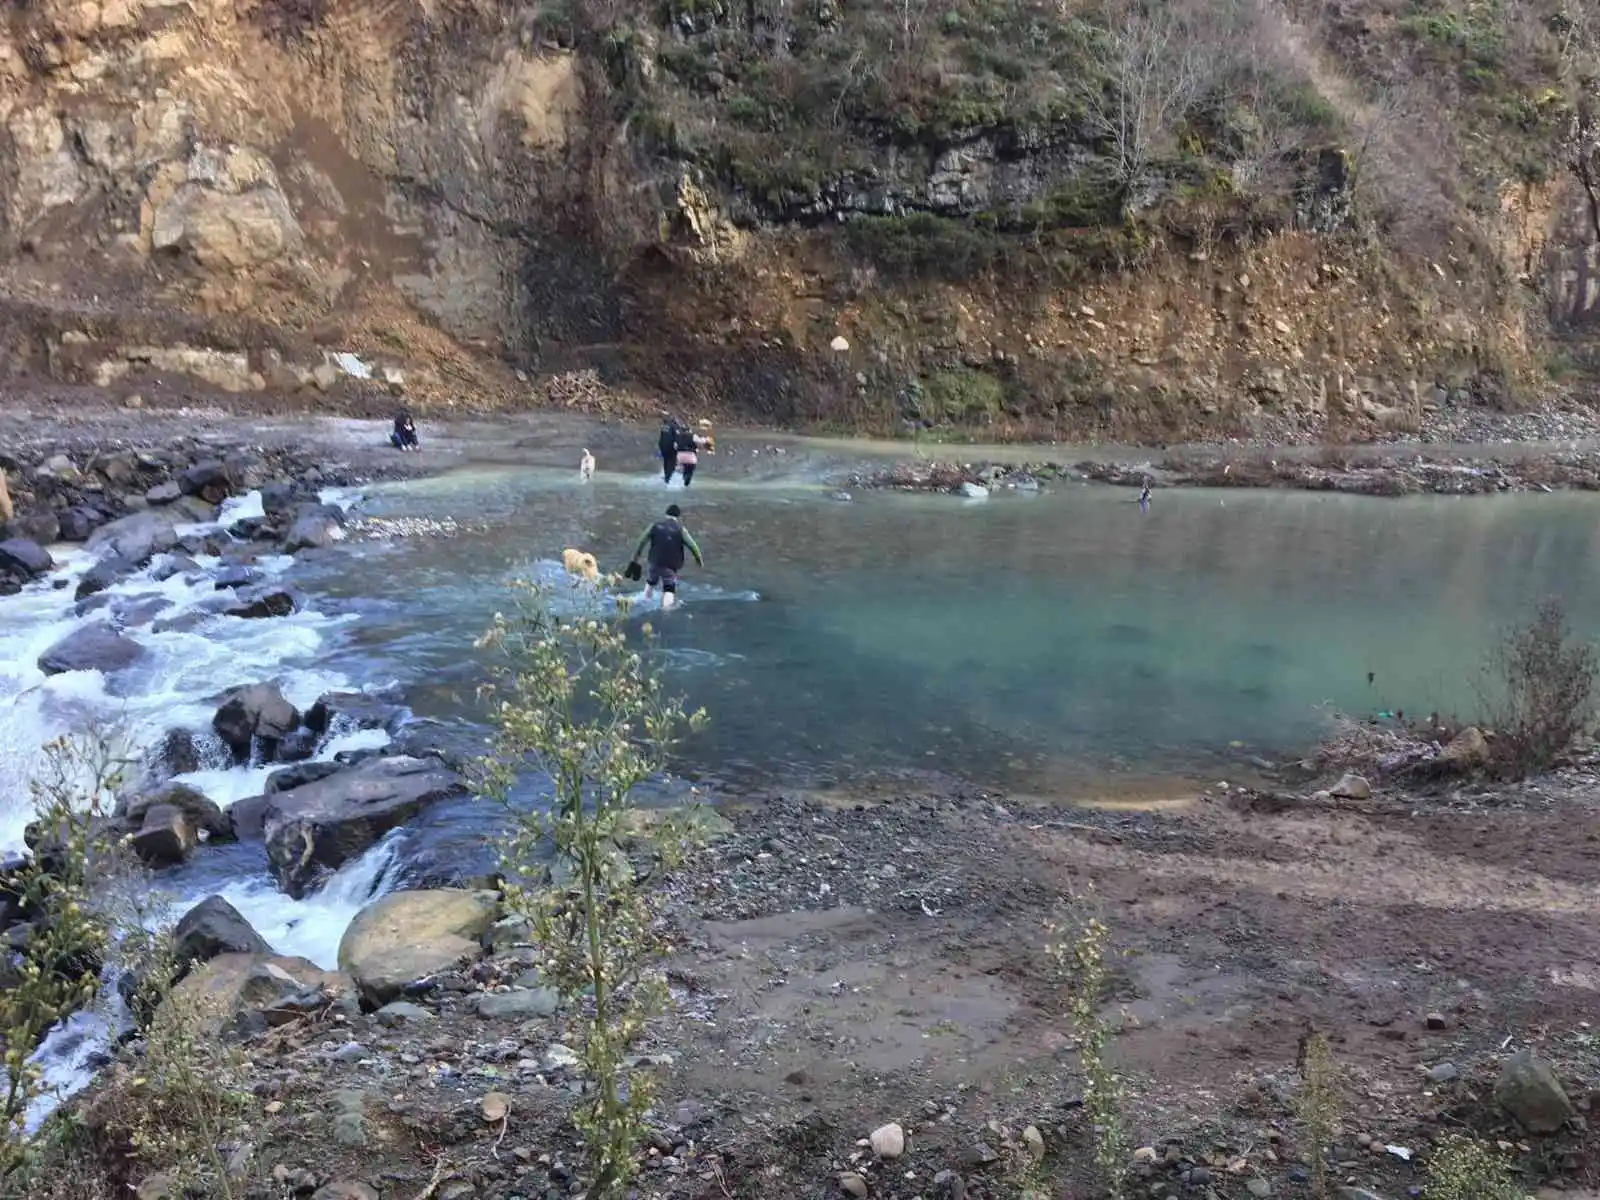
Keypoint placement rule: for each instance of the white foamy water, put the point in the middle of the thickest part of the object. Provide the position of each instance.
(175, 684)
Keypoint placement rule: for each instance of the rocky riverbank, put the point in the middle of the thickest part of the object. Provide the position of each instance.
(1370, 472)
(862, 1005)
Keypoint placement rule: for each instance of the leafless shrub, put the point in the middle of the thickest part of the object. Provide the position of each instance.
(1538, 692)
(1386, 750)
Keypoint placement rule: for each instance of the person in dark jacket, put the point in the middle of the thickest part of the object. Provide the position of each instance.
(667, 445)
(666, 541)
(404, 436)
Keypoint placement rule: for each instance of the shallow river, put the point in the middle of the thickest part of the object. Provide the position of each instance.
(1040, 641)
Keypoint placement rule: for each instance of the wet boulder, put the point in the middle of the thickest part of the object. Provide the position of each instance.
(20, 556)
(314, 526)
(244, 994)
(169, 565)
(298, 746)
(236, 575)
(409, 936)
(264, 602)
(348, 711)
(299, 775)
(177, 753)
(246, 818)
(314, 829)
(215, 927)
(200, 811)
(278, 499)
(255, 716)
(106, 573)
(95, 647)
(165, 837)
(212, 482)
(139, 537)
(42, 526)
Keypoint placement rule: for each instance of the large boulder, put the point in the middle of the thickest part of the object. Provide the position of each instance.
(165, 837)
(212, 482)
(1529, 1090)
(106, 573)
(267, 600)
(200, 811)
(348, 711)
(255, 715)
(300, 774)
(409, 936)
(1468, 751)
(316, 828)
(23, 557)
(215, 927)
(95, 647)
(315, 526)
(224, 232)
(139, 537)
(242, 994)
(247, 818)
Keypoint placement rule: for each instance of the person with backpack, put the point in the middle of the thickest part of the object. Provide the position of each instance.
(666, 541)
(667, 446)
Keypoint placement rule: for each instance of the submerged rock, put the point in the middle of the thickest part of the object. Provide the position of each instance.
(300, 774)
(264, 602)
(255, 713)
(316, 828)
(95, 647)
(316, 527)
(105, 573)
(1529, 1090)
(407, 936)
(356, 710)
(215, 927)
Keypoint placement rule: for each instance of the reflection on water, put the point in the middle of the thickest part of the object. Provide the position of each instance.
(1000, 640)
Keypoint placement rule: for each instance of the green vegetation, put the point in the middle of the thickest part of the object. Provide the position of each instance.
(1318, 1105)
(1462, 1168)
(574, 699)
(964, 395)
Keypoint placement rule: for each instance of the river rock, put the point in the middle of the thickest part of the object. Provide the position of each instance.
(407, 936)
(163, 493)
(345, 1189)
(166, 566)
(350, 711)
(79, 522)
(95, 647)
(299, 775)
(41, 526)
(316, 828)
(298, 746)
(242, 994)
(247, 818)
(255, 715)
(215, 927)
(402, 1012)
(201, 812)
(139, 537)
(236, 575)
(850, 1183)
(264, 602)
(22, 557)
(1529, 1090)
(105, 573)
(888, 1141)
(1351, 787)
(519, 1004)
(278, 499)
(210, 481)
(165, 837)
(315, 526)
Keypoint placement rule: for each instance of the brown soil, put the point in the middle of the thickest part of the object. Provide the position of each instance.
(849, 961)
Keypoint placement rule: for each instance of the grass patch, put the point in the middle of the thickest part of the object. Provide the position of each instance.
(963, 394)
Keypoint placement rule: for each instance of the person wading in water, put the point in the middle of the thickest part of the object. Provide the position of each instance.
(666, 541)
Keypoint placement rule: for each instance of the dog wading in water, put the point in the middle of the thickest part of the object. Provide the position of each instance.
(667, 541)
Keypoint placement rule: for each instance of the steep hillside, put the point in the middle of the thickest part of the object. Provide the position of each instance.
(1101, 218)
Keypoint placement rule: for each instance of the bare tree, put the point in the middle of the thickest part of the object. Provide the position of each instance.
(1580, 144)
(1156, 66)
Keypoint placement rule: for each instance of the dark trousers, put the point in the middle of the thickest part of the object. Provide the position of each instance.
(669, 462)
(688, 472)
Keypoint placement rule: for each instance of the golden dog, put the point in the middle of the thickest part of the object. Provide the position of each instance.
(581, 564)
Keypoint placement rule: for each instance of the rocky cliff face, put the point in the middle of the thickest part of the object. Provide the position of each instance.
(229, 190)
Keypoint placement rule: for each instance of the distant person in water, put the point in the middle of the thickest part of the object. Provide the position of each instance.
(666, 541)
(667, 446)
(404, 436)
(1144, 496)
(688, 452)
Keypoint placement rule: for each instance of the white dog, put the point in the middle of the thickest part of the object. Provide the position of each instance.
(586, 466)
